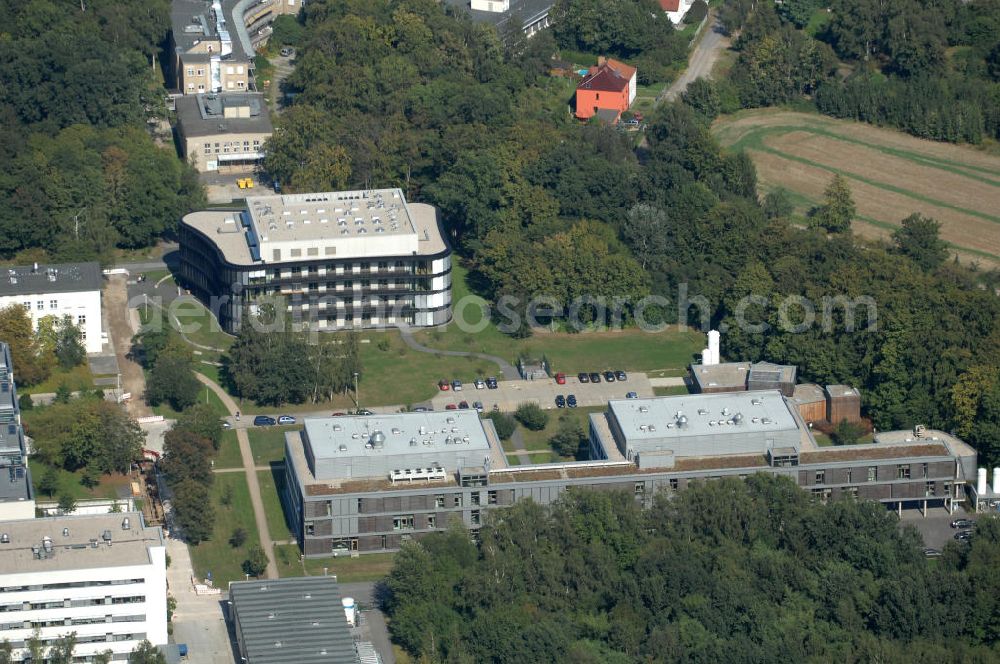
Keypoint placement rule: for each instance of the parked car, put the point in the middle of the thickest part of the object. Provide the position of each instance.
(478, 405)
(463, 405)
(421, 409)
(451, 406)
(491, 383)
(560, 379)
(264, 421)
(631, 395)
(620, 375)
(595, 377)
(365, 411)
(287, 51)
(560, 401)
(963, 535)
(339, 414)
(444, 385)
(932, 553)
(227, 425)
(480, 384)
(456, 385)
(571, 401)
(609, 376)
(583, 378)
(963, 523)
(286, 419)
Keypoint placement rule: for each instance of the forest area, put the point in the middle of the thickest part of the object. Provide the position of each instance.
(725, 571)
(537, 204)
(82, 175)
(930, 69)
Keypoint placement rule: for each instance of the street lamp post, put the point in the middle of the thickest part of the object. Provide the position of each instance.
(357, 399)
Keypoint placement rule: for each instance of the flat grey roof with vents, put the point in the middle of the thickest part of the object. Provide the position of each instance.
(76, 550)
(50, 278)
(292, 621)
(372, 446)
(316, 227)
(706, 424)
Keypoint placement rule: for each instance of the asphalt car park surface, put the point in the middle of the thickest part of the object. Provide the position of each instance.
(935, 528)
(509, 394)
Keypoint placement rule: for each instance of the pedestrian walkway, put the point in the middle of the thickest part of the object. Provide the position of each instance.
(508, 370)
(251, 474)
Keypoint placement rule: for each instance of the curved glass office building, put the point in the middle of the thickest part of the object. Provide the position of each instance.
(333, 261)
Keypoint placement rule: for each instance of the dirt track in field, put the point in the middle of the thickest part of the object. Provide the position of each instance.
(891, 174)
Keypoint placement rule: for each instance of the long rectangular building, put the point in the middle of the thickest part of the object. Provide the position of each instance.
(340, 260)
(357, 496)
(102, 577)
(17, 497)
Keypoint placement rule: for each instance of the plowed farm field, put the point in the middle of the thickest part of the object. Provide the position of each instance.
(892, 175)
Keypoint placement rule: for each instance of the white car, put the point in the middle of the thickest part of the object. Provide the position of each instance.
(480, 384)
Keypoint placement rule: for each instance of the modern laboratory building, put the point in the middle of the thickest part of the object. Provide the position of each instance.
(369, 483)
(333, 260)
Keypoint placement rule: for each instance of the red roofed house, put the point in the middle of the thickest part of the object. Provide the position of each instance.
(676, 9)
(607, 90)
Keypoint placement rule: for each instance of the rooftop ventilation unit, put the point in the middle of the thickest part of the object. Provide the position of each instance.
(342, 448)
(4, 538)
(65, 532)
(126, 524)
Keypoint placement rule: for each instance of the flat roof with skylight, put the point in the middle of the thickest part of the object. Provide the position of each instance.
(705, 424)
(294, 228)
(428, 445)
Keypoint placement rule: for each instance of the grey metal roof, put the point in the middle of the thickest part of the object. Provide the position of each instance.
(292, 621)
(205, 114)
(50, 278)
(194, 20)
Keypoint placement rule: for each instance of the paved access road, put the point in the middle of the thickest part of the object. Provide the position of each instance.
(512, 393)
(703, 58)
(199, 620)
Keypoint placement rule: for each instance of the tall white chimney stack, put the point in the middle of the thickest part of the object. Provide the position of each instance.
(713, 345)
(981, 482)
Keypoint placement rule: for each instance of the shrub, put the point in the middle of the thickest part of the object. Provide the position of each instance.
(532, 416)
(503, 423)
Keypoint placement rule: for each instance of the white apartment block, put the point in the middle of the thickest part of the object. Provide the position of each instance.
(72, 289)
(102, 577)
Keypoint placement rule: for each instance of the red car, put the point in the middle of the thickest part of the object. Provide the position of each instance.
(339, 414)
(560, 379)
(451, 406)
(444, 385)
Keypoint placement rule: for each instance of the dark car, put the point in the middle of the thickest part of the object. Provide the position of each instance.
(463, 405)
(631, 395)
(609, 376)
(456, 385)
(560, 401)
(620, 375)
(571, 401)
(478, 405)
(595, 377)
(963, 535)
(491, 383)
(962, 523)
(932, 553)
(583, 378)
(264, 421)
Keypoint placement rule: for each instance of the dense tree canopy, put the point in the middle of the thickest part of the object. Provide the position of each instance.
(82, 175)
(727, 571)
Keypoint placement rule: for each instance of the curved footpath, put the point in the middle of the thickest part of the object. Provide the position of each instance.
(251, 474)
(508, 370)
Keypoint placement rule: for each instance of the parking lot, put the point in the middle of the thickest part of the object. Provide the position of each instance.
(509, 394)
(935, 528)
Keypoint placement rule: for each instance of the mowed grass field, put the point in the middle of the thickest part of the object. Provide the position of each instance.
(891, 174)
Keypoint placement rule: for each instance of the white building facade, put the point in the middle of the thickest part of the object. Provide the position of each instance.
(72, 290)
(102, 577)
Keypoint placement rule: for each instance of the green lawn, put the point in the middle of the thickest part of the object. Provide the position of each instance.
(669, 351)
(364, 568)
(268, 444)
(670, 391)
(538, 441)
(217, 555)
(205, 395)
(77, 378)
(272, 484)
(197, 323)
(229, 451)
(111, 486)
(817, 21)
(513, 460)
